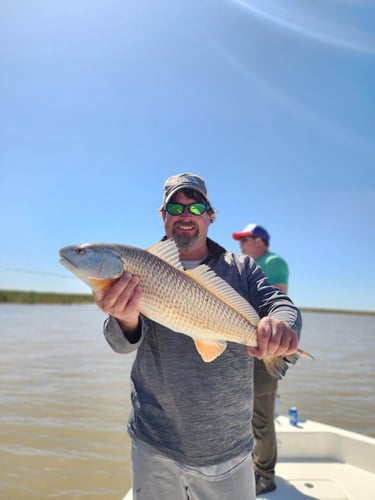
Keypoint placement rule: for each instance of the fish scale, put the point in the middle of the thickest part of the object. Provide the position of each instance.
(186, 306)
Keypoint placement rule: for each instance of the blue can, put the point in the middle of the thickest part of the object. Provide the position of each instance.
(293, 415)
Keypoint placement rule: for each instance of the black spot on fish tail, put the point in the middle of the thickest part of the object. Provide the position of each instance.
(277, 366)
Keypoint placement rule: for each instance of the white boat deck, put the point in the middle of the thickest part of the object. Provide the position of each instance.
(321, 462)
(323, 481)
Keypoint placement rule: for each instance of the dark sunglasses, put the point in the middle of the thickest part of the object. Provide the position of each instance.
(193, 208)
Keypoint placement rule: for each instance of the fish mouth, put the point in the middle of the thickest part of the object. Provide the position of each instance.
(66, 263)
(70, 266)
(100, 274)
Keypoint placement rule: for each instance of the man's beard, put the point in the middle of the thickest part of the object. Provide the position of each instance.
(185, 242)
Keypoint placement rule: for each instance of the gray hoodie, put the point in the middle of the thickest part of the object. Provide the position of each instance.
(194, 412)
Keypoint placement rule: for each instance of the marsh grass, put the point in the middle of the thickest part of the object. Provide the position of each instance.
(29, 297)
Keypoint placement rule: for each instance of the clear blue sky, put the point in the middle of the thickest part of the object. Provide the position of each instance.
(271, 102)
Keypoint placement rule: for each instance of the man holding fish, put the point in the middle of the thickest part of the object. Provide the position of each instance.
(192, 378)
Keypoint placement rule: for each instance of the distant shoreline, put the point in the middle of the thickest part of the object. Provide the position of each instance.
(29, 297)
(335, 311)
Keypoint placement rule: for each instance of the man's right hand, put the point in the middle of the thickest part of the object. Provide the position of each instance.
(121, 301)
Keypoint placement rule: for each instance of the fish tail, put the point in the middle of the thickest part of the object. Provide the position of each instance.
(278, 365)
(305, 354)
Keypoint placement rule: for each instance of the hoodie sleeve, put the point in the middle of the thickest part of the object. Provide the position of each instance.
(116, 337)
(271, 301)
(265, 298)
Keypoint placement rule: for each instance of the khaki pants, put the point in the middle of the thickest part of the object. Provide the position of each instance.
(265, 447)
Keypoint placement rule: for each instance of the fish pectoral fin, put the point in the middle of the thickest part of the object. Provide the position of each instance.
(100, 283)
(210, 350)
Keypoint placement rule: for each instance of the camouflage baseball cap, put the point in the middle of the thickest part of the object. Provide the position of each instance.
(184, 181)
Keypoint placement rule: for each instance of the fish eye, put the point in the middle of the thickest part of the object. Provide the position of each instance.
(80, 251)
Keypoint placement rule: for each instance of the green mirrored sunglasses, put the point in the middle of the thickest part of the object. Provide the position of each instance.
(193, 208)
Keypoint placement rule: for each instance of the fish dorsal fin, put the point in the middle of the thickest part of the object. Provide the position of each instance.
(210, 350)
(167, 250)
(206, 277)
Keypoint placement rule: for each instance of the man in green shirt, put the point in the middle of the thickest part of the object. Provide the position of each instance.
(254, 241)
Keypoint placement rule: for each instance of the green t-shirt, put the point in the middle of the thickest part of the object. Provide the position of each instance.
(274, 267)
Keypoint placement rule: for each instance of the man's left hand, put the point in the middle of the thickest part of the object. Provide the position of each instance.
(275, 338)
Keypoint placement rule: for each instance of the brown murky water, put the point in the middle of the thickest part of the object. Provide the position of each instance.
(65, 396)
